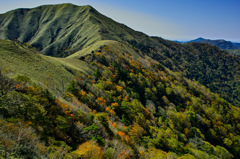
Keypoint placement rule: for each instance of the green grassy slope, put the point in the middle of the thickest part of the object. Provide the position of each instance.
(117, 46)
(60, 30)
(73, 64)
(55, 30)
(51, 72)
(20, 60)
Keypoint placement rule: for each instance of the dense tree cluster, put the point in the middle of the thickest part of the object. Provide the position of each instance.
(210, 66)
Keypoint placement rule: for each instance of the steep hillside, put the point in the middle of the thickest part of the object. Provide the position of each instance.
(21, 60)
(59, 30)
(211, 66)
(55, 29)
(100, 44)
(130, 106)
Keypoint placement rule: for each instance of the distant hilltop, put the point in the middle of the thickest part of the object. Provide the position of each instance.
(221, 43)
(231, 47)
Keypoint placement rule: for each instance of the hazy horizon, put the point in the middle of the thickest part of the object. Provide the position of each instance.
(173, 20)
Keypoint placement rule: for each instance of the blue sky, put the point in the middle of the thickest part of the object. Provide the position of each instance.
(170, 19)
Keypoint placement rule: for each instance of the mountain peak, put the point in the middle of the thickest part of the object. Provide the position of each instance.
(65, 5)
(52, 28)
(62, 29)
(200, 39)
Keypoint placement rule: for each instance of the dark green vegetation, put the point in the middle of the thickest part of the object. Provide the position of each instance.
(211, 66)
(60, 30)
(125, 97)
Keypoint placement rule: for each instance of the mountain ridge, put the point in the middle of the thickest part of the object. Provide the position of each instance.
(104, 29)
(46, 27)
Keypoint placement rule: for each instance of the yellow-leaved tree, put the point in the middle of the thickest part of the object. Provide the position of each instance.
(89, 149)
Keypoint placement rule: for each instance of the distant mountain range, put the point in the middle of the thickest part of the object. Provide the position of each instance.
(231, 47)
(223, 44)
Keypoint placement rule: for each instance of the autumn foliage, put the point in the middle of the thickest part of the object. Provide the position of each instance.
(89, 149)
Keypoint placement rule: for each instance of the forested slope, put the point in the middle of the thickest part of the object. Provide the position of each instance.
(128, 107)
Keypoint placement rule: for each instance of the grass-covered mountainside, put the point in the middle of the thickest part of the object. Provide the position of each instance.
(53, 29)
(119, 104)
(20, 60)
(61, 30)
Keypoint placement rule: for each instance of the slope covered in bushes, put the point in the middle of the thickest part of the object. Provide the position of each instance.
(129, 107)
